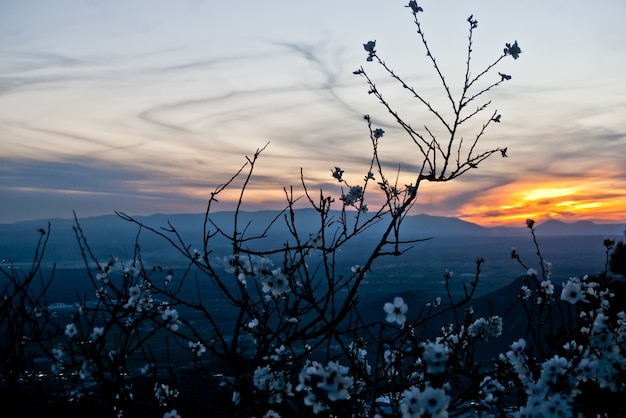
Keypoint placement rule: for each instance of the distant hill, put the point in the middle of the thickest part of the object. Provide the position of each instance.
(557, 228)
(112, 235)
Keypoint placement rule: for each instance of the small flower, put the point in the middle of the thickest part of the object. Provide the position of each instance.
(172, 414)
(547, 287)
(555, 406)
(101, 293)
(396, 311)
(171, 316)
(197, 348)
(515, 354)
(512, 50)
(370, 48)
(276, 283)
(435, 356)
(253, 323)
(524, 292)
(336, 381)
(56, 368)
(410, 403)
(378, 133)
(608, 242)
(57, 353)
(530, 223)
(553, 368)
(163, 393)
(134, 292)
(434, 401)
(97, 332)
(71, 330)
(414, 7)
(146, 369)
(572, 291)
(338, 174)
(87, 369)
(271, 414)
(315, 240)
(490, 388)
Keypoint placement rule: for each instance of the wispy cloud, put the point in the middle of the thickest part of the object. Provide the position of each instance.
(148, 107)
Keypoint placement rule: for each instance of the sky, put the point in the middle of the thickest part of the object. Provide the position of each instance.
(146, 106)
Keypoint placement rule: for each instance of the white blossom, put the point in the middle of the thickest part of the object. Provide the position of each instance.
(396, 311)
(572, 291)
(435, 357)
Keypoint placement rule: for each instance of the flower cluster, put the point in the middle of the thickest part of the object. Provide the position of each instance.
(416, 403)
(170, 318)
(354, 195)
(483, 328)
(490, 390)
(275, 383)
(545, 292)
(323, 384)
(105, 268)
(514, 51)
(248, 265)
(276, 283)
(164, 394)
(378, 133)
(594, 356)
(273, 281)
(140, 297)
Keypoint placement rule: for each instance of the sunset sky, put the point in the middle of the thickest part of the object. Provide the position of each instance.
(145, 106)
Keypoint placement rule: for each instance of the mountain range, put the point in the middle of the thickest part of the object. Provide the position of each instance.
(113, 234)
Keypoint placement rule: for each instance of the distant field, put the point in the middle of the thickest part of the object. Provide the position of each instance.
(420, 269)
(417, 276)
(417, 273)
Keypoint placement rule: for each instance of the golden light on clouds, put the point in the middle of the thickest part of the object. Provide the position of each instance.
(595, 199)
(547, 193)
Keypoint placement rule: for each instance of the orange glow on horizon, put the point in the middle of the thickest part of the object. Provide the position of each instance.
(600, 201)
(596, 200)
